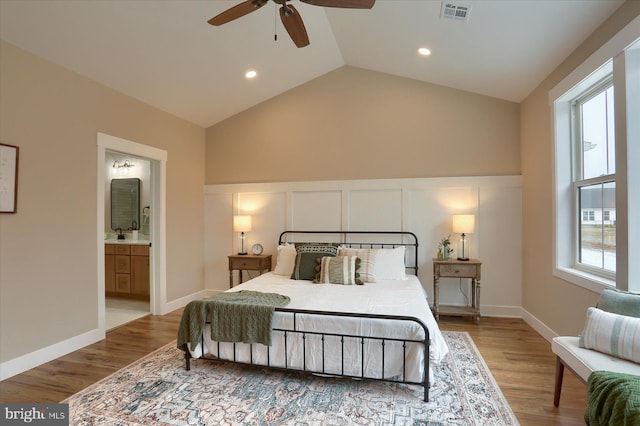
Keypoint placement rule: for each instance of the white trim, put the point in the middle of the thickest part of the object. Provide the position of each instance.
(33, 359)
(583, 279)
(100, 238)
(345, 185)
(183, 301)
(538, 325)
(158, 262)
(114, 143)
(600, 63)
(500, 311)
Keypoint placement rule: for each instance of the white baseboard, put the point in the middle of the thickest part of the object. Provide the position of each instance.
(31, 360)
(183, 301)
(538, 325)
(501, 311)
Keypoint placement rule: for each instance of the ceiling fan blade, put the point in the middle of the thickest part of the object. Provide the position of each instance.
(237, 11)
(347, 4)
(293, 24)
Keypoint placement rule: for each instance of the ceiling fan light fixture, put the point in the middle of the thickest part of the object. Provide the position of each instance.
(288, 14)
(423, 51)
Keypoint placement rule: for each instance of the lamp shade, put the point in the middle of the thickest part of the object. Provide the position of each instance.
(464, 223)
(242, 223)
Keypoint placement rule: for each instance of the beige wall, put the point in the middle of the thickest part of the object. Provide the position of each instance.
(357, 124)
(48, 250)
(558, 304)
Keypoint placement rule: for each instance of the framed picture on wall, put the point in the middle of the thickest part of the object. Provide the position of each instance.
(8, 178)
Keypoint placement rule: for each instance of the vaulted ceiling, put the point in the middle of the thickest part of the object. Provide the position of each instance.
(164, 53)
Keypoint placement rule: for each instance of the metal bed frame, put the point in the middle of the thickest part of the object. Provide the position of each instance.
(407, 239)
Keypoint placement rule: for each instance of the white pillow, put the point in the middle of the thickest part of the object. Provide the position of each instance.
(390, 264)
(367, 261)
(286, 260)
(613, 334)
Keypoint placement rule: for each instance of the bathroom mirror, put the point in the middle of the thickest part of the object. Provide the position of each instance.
(125, 204)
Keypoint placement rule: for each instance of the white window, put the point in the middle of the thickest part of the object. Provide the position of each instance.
(594, 179)
(597, 167)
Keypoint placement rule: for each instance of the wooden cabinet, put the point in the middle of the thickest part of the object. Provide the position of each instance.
(249, 262)
(457, 269)
(109, 268)
(127, 271)
(140, 276)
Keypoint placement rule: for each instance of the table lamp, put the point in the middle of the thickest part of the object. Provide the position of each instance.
(464, 224)
(242, 224)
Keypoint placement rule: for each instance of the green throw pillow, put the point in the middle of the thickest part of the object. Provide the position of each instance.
(620, 302)
(305, 264)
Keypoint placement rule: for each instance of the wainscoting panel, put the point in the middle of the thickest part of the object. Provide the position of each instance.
(423, 206)
(316, 210)
(268, 218)
(379, 209)
(218, 241)
(431, 211)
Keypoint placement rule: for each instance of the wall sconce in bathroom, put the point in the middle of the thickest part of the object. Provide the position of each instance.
(126, 165)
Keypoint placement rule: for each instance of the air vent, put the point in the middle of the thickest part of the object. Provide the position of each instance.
(455, 11)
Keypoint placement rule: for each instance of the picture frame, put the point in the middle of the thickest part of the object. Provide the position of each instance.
(8, 178)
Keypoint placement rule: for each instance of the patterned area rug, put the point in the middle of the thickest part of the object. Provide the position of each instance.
(157, 390)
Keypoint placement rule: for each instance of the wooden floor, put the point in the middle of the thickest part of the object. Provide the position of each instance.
(519, 358)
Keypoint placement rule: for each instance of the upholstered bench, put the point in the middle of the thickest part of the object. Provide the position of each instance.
(582, 361)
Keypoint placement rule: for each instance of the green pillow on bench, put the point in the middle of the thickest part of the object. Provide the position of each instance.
(620, 302)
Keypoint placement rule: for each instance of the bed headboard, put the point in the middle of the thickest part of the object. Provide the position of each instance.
(361, 239)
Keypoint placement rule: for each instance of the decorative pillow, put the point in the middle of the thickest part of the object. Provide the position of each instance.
(338, 270)
(619, 302)
(304, 267)
(285, 260)
(613, 334)
(390, 264)
(367, 261)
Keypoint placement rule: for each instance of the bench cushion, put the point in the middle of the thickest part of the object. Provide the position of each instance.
(585, 361)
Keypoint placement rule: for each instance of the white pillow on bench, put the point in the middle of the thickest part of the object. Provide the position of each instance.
(613, 334)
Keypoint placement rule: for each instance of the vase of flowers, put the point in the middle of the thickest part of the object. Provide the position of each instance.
(445, 247)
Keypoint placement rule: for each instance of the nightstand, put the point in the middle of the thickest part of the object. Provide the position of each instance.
(457, 269)
(248, 262)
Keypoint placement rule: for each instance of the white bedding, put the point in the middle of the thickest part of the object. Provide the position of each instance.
(389, 297)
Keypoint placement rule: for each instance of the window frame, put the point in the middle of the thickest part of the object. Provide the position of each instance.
(621, 54)
(600, 84)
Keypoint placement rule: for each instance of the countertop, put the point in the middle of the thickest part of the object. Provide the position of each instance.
(128, 241)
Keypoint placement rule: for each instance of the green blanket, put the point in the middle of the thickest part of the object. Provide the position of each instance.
(613, 399)
(243, 316)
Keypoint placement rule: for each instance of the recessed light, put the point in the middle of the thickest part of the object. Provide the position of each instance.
(251, 74)
(424, 51)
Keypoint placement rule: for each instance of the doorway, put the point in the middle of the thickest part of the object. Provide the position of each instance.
(155, 225)
(128, 189)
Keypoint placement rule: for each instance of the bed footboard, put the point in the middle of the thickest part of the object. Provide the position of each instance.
(335, 344)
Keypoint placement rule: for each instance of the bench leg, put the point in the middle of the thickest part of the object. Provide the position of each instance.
(558, 386)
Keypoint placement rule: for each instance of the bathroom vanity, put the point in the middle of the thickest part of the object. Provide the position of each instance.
(126, 266)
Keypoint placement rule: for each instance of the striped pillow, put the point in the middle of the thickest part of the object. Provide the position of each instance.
(613, 334)
(338, 270)
(367, 261)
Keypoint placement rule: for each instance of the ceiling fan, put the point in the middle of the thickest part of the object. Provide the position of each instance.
(288, 14)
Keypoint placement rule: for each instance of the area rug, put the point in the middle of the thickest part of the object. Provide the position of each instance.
(157, 390)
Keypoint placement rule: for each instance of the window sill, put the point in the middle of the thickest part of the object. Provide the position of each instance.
(583, 279)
